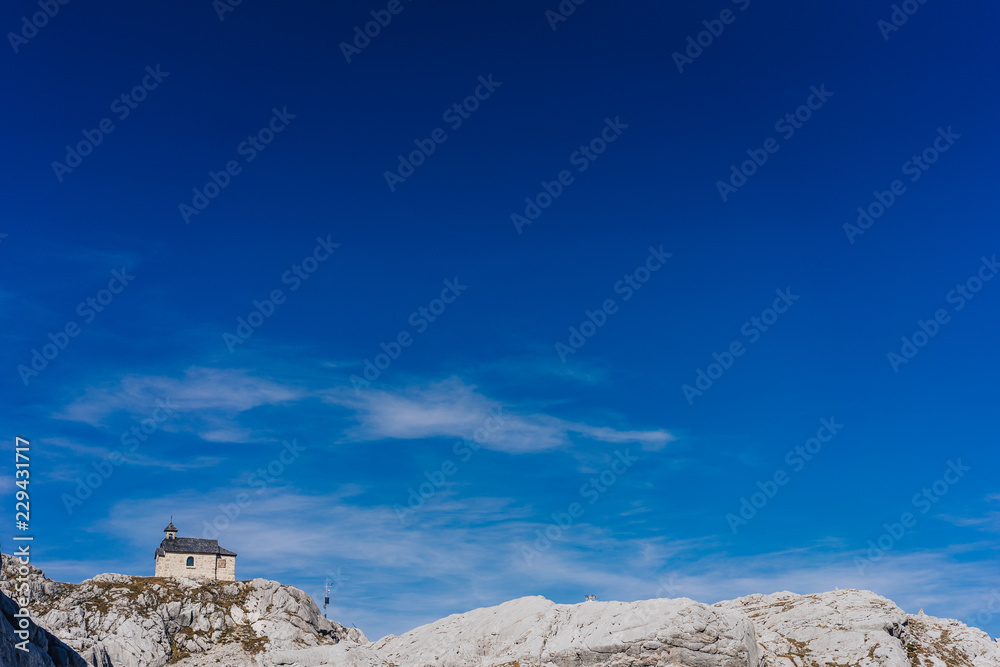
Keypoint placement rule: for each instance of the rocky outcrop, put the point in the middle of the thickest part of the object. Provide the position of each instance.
(341, 655)
(847, 628)
(37, 649)
(115, 620)
(860, 629)
(535, 631)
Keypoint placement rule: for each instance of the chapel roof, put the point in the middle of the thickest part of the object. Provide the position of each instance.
(192, 545)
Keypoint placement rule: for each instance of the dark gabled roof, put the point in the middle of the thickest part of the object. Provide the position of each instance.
(171, 528)
(192, 545)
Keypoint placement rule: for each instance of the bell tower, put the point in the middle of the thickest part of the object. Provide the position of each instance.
(171, 529)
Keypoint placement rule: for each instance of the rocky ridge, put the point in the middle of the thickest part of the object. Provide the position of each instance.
(42, 649)
(536, 631)
(114, 620)
(860, 629)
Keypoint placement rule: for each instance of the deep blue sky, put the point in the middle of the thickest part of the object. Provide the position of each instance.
(662, 527)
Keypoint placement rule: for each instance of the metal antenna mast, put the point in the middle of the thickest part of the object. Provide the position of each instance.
(326, 598)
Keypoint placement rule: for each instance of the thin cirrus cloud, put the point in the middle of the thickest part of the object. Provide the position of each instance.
(219, 393)
(210, 402)
(990, 521)
(454, 409)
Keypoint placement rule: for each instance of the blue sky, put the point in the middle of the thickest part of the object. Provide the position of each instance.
(225, 264)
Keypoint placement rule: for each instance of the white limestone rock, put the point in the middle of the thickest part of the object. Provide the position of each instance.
(860, 629)
(42, 649)
(339, 655)
(535, 631)
(944, 642)
(114, 620)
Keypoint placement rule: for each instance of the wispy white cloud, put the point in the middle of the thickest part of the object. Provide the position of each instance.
(225, 391)
(454, 409)
(210, 402)
(227, 434)
(204, 401)
(990, 521)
